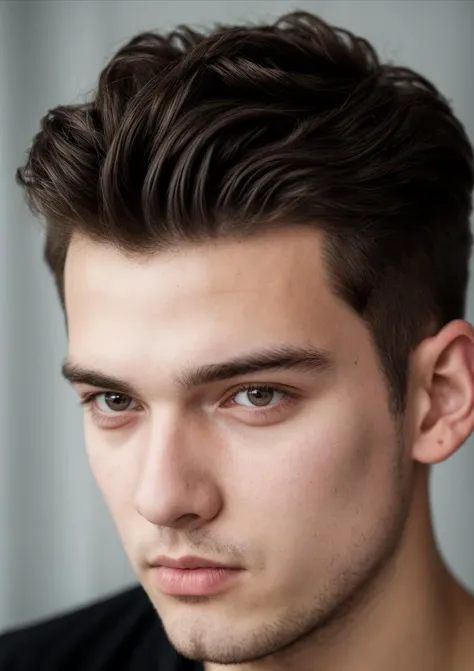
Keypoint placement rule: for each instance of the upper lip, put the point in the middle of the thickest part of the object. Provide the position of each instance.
(189, 563)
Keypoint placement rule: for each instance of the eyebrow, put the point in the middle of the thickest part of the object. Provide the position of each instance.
(278, 358)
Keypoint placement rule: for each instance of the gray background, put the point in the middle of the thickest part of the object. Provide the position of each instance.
(58, 548)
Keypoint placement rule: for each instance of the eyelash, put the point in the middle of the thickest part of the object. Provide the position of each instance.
(263, 412)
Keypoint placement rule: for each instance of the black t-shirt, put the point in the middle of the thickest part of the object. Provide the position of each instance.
(122, 633)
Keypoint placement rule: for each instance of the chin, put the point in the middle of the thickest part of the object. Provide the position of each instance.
(215, 649)
(214, 638)
(207, 637)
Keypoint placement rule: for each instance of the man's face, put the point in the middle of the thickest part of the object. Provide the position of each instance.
(298, 482)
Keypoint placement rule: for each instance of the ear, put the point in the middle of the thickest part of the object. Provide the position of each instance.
(442, 394)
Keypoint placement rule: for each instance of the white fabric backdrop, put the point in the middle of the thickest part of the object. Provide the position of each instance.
(58, 547)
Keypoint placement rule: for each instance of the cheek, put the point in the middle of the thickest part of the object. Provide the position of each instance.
(320, 484)
(114, 477)
(115, 481)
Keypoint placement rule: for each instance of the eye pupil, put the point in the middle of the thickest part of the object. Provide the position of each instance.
(116, 401)
(260, 397)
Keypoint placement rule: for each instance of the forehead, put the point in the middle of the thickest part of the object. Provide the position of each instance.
(208, 300)
(282, 256)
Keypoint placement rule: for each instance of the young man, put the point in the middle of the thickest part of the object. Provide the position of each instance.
(260, 238)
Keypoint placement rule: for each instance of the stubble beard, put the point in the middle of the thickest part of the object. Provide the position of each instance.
(330, 614)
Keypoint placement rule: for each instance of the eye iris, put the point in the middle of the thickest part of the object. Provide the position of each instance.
(116, 401)
(260, 397)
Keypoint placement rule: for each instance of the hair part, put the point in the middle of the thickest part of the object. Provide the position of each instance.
(191, 136)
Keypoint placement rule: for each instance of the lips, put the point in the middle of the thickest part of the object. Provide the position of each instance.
(194, 576)
(190, 563)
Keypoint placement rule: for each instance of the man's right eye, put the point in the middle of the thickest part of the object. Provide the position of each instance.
(110, 402)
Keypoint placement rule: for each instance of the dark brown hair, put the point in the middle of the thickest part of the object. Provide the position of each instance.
(191, 136)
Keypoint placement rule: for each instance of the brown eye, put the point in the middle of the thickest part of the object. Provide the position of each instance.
(258, 397)
(113, 401)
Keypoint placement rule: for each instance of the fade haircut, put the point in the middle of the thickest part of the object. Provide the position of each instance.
(191, 136)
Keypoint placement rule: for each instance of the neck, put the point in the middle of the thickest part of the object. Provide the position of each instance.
(417, 616)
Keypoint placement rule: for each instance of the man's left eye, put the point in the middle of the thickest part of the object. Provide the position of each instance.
(258, 397)
(111, 401)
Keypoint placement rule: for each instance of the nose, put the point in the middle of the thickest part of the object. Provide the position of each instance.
(176, 485)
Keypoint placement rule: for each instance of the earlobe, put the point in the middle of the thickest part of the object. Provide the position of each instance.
(445, 366)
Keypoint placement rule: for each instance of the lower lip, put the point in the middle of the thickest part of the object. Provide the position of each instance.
(196, 581)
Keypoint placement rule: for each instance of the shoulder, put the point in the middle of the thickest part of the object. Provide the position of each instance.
(99, 636)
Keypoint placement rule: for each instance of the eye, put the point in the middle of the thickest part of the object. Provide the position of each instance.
(112, 402)
(258, 397)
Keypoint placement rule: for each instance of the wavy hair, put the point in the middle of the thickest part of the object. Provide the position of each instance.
(191, 136)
